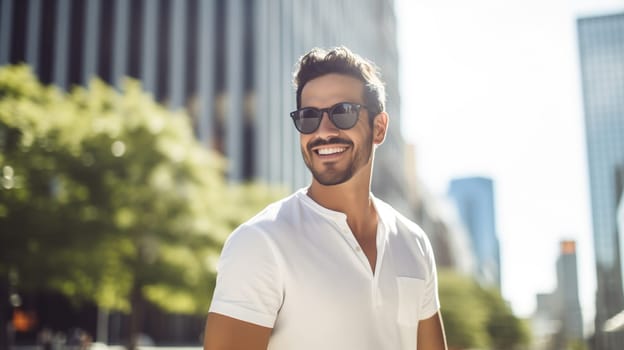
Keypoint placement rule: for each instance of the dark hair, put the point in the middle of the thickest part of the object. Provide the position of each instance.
(341, 60)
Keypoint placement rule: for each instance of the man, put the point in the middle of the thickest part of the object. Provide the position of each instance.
(331, 266)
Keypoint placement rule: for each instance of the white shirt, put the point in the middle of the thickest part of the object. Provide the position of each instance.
(297, 268)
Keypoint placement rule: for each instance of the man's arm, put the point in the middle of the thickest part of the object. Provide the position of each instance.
(431, 334)
(227, 333)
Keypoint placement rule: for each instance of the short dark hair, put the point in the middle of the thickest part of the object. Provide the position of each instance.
(318, 62)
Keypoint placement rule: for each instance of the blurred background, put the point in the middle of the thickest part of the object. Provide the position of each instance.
(136, 134)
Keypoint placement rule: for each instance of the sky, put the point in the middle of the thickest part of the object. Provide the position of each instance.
(492, 88)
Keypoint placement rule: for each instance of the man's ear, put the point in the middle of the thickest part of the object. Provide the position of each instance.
(380, 128)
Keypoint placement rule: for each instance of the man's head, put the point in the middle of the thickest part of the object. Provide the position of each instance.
(340, 116)
(341, 60)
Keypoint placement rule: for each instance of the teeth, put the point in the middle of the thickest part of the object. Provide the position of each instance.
(326, 151)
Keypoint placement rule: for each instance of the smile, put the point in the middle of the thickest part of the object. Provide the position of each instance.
(330, 151)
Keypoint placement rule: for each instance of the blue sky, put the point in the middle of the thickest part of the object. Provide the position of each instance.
(492, 88)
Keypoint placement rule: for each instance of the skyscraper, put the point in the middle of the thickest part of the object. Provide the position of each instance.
(558, 321)
(601, 45)
(567, 293)
(474, 198)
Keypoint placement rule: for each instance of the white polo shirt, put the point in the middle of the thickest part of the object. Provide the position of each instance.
(297, 268)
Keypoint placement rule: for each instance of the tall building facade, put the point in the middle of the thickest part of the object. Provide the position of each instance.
(568, 293)
(474, 199)
(228, 62)
(558, 321)
(601, 45)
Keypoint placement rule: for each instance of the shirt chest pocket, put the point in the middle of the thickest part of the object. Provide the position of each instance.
(410, 295)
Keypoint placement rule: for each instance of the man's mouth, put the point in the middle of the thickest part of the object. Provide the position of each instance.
(329, 148)
(329, 151)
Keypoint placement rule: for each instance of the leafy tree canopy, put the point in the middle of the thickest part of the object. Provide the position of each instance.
(106, 195)
(476, 317)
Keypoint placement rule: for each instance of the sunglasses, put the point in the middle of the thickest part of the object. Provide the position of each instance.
(344, 115)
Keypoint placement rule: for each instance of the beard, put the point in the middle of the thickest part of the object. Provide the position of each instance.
(329, 174)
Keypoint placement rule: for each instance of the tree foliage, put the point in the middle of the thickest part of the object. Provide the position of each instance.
(106, 195)
(476, 317)
(505, 330)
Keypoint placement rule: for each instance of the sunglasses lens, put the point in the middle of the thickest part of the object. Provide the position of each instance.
(345, 115)
(307, 120)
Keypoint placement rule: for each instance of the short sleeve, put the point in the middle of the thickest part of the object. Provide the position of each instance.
(430, 302)
(249, 285)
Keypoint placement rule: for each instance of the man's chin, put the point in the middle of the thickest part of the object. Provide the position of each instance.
(331, 179)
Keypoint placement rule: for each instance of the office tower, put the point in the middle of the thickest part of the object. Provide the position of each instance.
(474, 198)
(558, 321)
(228, 62)
(567, 293)
(601, 46)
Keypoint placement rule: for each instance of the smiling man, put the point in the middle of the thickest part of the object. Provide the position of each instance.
(331, 266)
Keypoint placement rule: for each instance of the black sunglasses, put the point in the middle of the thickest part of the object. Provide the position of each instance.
(344, 115)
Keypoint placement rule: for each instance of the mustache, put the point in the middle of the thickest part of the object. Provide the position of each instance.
(332, 141)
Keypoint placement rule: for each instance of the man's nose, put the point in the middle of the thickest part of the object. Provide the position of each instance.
(327, 127)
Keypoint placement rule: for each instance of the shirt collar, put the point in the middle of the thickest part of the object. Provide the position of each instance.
(380, 207)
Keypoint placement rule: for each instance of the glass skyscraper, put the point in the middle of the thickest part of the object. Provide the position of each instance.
(601, 45)
(474, 199)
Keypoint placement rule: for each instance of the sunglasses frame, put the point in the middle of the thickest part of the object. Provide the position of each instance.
(330, 114)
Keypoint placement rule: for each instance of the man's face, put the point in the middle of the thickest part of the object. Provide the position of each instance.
(334, 155)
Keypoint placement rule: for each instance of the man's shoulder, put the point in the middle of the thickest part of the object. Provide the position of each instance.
(275, 212)
(275, 217)
(271, 227)
(395, 221)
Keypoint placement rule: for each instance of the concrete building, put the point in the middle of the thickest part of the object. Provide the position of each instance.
(568, 292)
(601, 45)
(558, 321)
(545, 323)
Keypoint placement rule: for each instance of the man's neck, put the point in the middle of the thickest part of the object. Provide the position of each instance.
(351, 198)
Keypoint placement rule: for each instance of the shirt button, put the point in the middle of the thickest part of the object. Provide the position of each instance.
(358, 249)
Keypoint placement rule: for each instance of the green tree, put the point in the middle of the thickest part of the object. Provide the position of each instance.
(505, 330)
(107, 196)
(477, 317)
(463, 311)
(577, 344)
